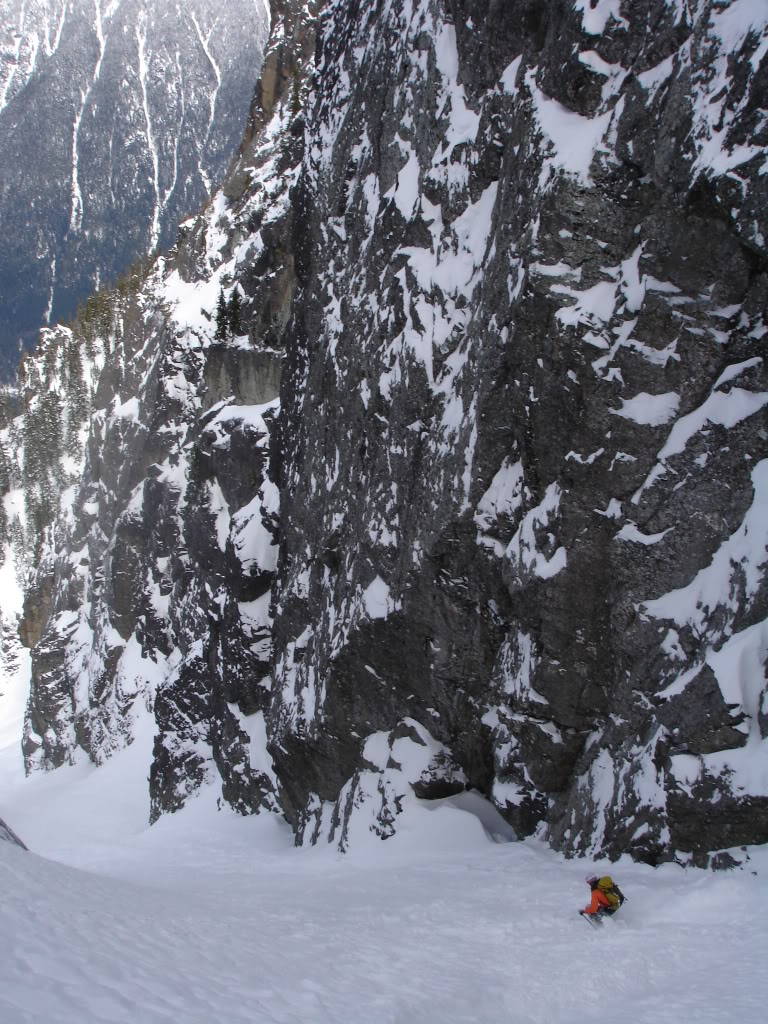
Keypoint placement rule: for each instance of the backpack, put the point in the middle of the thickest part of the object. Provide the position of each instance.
(611, 891)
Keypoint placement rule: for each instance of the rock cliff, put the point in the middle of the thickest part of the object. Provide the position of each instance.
(506, 527)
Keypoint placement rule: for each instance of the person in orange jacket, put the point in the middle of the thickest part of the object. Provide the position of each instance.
(599, 906)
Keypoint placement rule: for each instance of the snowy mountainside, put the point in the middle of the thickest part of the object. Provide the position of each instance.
(116, 119)
(506, 527)
(152, 593)
(45, 421)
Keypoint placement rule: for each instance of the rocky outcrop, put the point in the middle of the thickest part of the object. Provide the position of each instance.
(250, 376)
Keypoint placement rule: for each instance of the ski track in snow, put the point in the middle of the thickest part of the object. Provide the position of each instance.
(212, 917)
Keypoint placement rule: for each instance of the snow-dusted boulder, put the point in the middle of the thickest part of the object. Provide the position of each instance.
(396, 766)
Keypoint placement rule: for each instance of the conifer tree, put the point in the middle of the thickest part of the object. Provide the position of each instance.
(77, 390)
(3, 531)
(233, 313)
(222, 318)
(77, 399)
(32, 463)
(16, 534)
(5, 472)
(12, 453)
(6, 409)
(106, 310)
(50, 408)
(50, 360)
(296, 94)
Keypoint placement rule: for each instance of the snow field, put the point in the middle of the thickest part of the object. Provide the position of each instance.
(211, 917)
(456, 939)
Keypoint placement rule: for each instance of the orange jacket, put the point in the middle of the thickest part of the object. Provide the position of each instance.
(599, 900)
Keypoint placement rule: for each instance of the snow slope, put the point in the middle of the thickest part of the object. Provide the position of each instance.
(212, 917)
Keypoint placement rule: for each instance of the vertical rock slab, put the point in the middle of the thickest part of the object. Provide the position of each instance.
(524, 417)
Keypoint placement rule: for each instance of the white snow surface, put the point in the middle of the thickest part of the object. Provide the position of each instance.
(573, 138)
(212, 917)
(649, 410)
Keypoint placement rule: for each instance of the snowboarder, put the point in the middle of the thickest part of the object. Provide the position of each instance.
(607, 897)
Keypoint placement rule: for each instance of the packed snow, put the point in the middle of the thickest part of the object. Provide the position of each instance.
(209, 916)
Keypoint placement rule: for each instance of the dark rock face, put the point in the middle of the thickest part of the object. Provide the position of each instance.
(524, 418)
(115, 122)
(507, 527)
(250, 377)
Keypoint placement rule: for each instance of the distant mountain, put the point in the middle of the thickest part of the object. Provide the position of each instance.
(116, 119)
